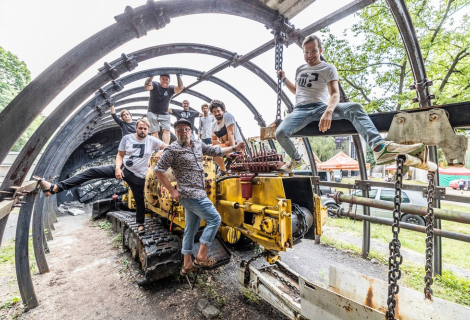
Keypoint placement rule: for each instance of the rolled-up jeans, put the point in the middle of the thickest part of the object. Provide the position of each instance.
(195, 210)
(304, 114)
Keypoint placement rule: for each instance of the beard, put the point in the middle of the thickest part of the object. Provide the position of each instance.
(219, 117)
(183, 139)
(142, 135)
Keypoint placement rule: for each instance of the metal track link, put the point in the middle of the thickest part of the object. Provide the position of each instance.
(158, 250)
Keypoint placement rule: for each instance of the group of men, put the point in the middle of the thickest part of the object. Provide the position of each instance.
(316, 92)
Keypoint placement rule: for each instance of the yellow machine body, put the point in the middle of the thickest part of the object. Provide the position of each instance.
(265, 218)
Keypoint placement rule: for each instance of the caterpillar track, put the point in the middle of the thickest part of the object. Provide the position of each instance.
(158, 250)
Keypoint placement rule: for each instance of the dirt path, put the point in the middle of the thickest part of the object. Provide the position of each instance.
(89, 280)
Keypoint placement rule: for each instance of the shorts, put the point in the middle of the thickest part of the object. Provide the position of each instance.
(157, 120)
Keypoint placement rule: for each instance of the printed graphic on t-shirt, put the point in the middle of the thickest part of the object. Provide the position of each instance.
(129, 162)
(305, 79)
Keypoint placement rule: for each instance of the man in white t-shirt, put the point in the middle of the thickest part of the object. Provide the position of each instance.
(317, 98)
(134, 153)
(225, 130)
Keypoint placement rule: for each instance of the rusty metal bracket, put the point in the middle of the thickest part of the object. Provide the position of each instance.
(107, 99)
(431, 127)
(113, 73)
(422, 88)
(118, 86)
(161, 19)
(137, 21)
(130, 61)
(362, 185)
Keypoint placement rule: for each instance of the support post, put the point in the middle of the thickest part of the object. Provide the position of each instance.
(363, 171)
(38, 238)
(437, 254)
(23, 272)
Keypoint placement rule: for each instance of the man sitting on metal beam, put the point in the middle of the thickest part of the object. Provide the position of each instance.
(134, 153)
(314, 82)
(160, 96)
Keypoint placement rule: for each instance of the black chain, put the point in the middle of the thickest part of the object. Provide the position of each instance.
(429, 237)
(395, 259)
(278, 276)
(278, 66)
(246, 265)
(302, 219)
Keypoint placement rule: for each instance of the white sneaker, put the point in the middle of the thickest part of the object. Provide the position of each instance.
(391, 150)
(292, 164)
(416, 162)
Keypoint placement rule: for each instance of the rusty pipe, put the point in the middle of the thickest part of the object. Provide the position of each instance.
(461, 217)
(403, 225)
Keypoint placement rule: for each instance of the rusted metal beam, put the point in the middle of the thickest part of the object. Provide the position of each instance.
(5, 207)
(461, 217)
(403, 225)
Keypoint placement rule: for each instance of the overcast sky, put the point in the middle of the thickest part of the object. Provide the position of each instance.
(40, 32)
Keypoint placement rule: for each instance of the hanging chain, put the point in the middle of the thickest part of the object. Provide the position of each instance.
(246, 265)
(278, 66)
(395, 259)
(429, 237)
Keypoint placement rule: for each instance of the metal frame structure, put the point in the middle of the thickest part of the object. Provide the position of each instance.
(134, 23)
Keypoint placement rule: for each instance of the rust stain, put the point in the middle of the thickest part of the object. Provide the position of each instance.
(369, 298)
(347, 308)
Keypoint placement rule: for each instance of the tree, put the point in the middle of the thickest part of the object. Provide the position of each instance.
(14, 77)
(323, 147)
(376, 72)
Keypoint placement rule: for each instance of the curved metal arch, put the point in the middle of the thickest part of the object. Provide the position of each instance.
(44, 88)
(58, 155)
(40, 137)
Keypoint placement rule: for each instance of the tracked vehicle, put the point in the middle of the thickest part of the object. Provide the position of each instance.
(256, 203)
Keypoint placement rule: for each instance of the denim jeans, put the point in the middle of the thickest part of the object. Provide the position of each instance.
(195, 209)
(304, 114)
(207, 141)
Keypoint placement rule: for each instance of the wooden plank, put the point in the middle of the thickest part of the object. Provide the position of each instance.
(5, 208)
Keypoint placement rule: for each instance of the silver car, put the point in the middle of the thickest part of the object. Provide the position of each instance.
(387, 194)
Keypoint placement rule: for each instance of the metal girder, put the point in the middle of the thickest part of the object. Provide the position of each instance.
(459, 117)
(314, 27)
(133, 23)
(288, 8)
(413, 51)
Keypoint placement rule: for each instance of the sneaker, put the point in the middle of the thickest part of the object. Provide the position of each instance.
(291, 165)
(416, 162)
(391, 150)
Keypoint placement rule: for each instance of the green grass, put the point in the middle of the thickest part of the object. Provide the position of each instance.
(9, 303)
(453, 251)
(449, 286)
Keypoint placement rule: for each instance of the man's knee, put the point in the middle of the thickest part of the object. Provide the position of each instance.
(281, 133)
(216, 220)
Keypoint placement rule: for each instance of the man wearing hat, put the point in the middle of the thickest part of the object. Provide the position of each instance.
(160, 96)
(184, 157)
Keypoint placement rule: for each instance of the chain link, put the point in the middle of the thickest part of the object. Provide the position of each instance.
(246, 265)
(429, 218)
(283, 280)
(395, 259)
(278, 66)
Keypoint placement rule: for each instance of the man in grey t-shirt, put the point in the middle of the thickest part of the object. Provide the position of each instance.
(160, 96)
(314, 82)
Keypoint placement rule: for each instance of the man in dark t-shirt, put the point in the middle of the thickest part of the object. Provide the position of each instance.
(160, 96)
(187, 114)
(126, 123)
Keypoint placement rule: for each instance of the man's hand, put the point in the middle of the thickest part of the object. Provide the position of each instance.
(325, 121)
(241, 146)
(175, 194)
(282, 73)
(158, 155)
(119, 174)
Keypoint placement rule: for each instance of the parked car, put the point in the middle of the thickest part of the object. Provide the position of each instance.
(387, 194)
(324, 176)
(454, 184)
